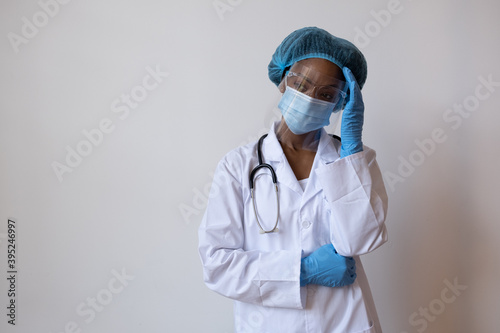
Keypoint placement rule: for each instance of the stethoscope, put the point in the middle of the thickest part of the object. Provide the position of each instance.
(275, 182)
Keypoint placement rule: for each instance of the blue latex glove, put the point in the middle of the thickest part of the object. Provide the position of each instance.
(327, 268)
(352, 118)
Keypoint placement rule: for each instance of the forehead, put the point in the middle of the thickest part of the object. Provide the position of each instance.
(318, 68)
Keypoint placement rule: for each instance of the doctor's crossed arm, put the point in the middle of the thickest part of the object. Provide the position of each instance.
(354, 189)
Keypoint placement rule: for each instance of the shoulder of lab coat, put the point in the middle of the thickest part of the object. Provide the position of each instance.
(355, 191)
(263, 278)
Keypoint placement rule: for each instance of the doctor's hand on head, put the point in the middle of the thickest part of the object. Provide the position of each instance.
(352, 118)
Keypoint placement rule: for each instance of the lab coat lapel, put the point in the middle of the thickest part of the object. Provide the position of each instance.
(328, 149)
(273, 154)
(327, 153)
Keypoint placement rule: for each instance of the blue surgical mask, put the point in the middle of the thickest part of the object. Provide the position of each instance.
(303, 113)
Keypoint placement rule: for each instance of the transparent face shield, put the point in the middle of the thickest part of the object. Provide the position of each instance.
(311, 100)
(316, 85)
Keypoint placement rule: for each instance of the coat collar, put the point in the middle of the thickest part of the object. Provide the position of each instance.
(273, 153)
(327, 150)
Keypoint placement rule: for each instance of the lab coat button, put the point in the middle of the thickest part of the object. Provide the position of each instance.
(306, 224)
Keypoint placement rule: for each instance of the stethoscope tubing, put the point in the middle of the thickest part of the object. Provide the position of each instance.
(262, 165)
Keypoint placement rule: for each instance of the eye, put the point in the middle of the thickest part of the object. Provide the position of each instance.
(298, 83)
(301, 86)
(328, 93)
(326, 96)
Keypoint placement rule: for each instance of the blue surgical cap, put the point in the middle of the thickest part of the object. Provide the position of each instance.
(312, 42)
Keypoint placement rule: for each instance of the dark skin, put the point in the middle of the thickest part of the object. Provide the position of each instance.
(300, 161)
(299, 158)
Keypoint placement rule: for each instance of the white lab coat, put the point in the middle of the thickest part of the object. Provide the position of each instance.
(344, 203)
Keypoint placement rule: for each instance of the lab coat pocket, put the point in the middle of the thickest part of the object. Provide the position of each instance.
(359, 317)
(371, 329)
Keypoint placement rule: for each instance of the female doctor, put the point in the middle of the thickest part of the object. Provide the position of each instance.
(286, 247)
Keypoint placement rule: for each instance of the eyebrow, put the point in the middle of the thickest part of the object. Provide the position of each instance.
(302, 76)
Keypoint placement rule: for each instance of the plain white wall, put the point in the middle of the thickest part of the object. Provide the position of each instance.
(132, 206)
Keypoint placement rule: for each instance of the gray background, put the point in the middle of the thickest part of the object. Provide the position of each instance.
(134, 202)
